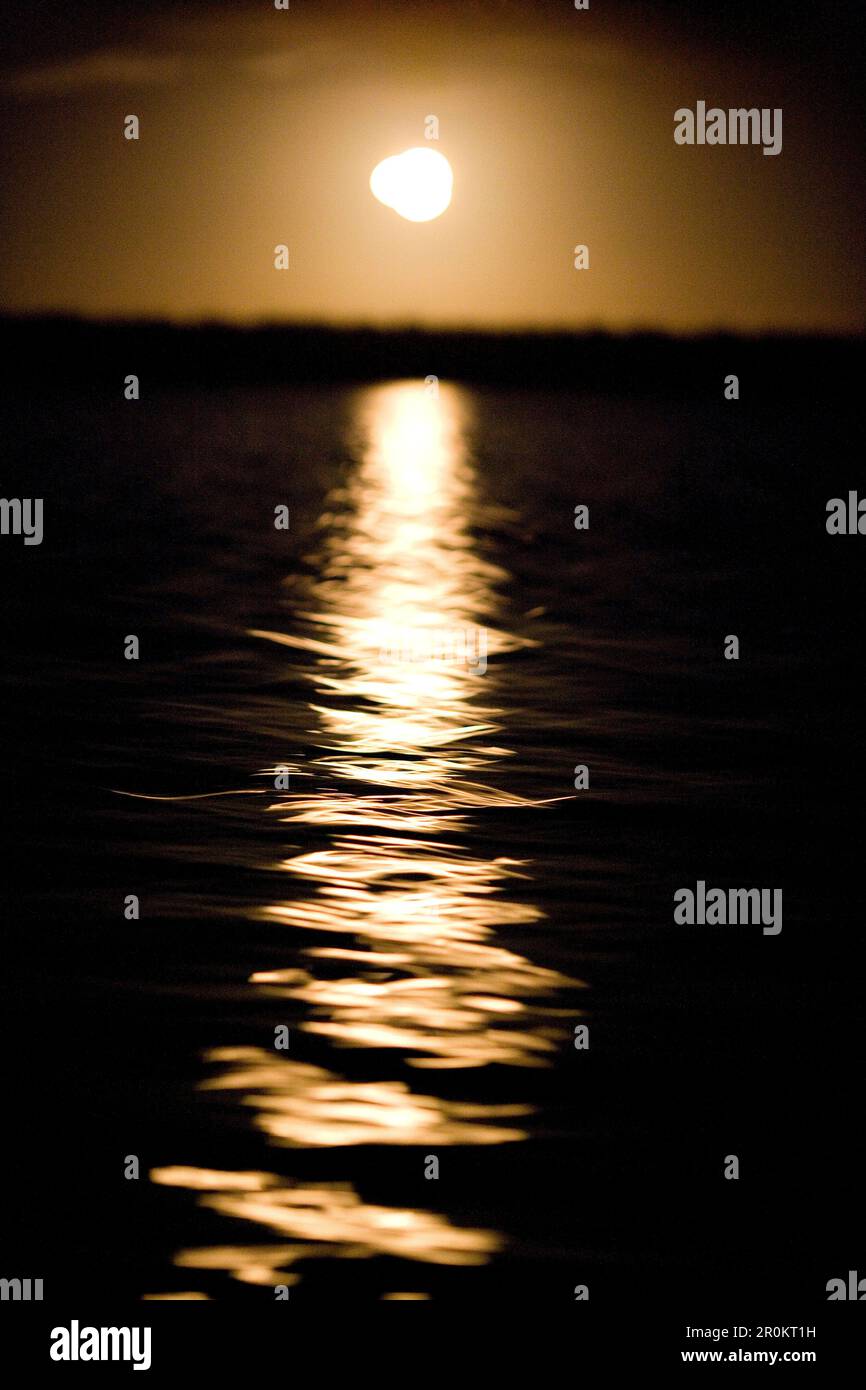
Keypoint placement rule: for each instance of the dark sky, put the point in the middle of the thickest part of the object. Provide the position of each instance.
(261, 127)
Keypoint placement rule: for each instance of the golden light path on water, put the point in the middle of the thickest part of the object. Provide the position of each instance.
(395, 634)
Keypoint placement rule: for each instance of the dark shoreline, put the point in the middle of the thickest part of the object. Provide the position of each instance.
(57, 350)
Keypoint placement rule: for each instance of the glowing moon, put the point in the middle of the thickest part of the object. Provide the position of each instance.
(416, 184)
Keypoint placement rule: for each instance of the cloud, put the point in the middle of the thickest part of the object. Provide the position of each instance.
(281, 65)
(106, 68)
(123, 68)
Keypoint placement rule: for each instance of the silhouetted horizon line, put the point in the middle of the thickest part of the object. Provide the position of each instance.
(51, 317)
(71, 350)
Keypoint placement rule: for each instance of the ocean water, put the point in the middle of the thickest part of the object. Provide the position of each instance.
(340, 779)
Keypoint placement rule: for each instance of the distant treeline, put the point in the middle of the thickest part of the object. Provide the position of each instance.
(54, 351)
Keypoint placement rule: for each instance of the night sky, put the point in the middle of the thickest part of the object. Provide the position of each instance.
(260, 127)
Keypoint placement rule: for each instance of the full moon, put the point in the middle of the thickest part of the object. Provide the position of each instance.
(416, 184)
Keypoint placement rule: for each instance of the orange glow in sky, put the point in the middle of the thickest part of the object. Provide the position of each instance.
(259, 128)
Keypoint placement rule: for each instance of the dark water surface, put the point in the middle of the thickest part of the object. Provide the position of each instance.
(429, 907)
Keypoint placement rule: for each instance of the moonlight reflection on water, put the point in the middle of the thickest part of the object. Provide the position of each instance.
(413, 978)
